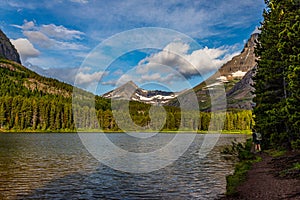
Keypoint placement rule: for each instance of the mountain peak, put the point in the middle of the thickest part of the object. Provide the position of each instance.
(130, 84)
(243, 62)
(125, 91)
(236, 76)
(130, 91)
(7, 50)
(251, 43)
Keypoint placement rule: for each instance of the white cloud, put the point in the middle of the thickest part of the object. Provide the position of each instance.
(60, 32)
(84, 69)
(199, 19)
(39, 38)
(87, 80)
(69, 46)
(80, 1)
(26, 26)
(177, 47)
(118, 72)
(110, 83)
(123, 79)
(82, 78)
(176, 63)
(51, 36)
(44, 41)
(167, 76)
(177, 57)
(157, 77)
(25, 48)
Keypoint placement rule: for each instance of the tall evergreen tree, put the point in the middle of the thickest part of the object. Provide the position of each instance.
(273, 77)
(289, 48)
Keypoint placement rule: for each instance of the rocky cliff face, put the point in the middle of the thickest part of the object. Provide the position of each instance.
(240, 96)
(239, 65)
(7, 50)
(235, 75)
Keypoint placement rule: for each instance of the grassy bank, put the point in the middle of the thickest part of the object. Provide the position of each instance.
(285, 164)
(118, 131)
(246, 159)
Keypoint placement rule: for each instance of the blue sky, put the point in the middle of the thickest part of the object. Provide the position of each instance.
(56, 37)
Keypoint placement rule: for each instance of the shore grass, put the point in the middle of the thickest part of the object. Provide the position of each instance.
(120, 131)
(275, 153)
(246, 159)
(239, 175)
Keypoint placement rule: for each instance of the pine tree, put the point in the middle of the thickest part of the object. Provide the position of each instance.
(277, 80)
(289, 49)
(2, 115)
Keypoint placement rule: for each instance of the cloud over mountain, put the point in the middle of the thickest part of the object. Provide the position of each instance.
(179, 57)
(25, 48)
(51, 36)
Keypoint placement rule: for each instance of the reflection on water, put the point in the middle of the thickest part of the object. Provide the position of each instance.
(57, 166)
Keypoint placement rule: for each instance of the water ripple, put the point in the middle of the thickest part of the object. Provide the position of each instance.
(57, 166)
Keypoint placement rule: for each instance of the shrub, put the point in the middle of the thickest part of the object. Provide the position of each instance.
(296, 144)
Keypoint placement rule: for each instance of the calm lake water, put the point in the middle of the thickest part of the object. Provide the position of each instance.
(57, 166)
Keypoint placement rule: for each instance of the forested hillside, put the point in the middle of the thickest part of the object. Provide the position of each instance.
(30, 102)
(277, 82)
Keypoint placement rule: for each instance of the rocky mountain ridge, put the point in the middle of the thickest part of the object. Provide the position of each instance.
(235, 75)
(7, 50)
(130, 91)
(19, 80)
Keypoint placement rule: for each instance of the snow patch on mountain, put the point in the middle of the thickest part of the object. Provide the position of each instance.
(130, 91)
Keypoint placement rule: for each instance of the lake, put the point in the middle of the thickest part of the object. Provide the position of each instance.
(58, 166)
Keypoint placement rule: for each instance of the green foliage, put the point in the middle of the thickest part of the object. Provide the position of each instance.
(29, 102)
(246, 159)
(296, 144)
(242, 151)
(294, 171)
(276, 152)
(277, 80)
(279, 140)
(296, 166)
(238, 177)
(36, 113)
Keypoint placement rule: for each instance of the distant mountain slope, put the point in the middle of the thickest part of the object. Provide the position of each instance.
(243, 62)
(236, 75)
(130, 91)
(30, 102)
(18, 80)
(7, 50)
(240, 96)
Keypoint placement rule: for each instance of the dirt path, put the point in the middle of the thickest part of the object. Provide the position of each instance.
(263, 181)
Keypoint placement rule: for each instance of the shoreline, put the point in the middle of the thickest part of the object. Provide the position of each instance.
(274, 177)
(244, 132)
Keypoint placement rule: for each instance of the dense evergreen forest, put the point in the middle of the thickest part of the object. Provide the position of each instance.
(277, 82)
(19, 113)
(29, 102)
